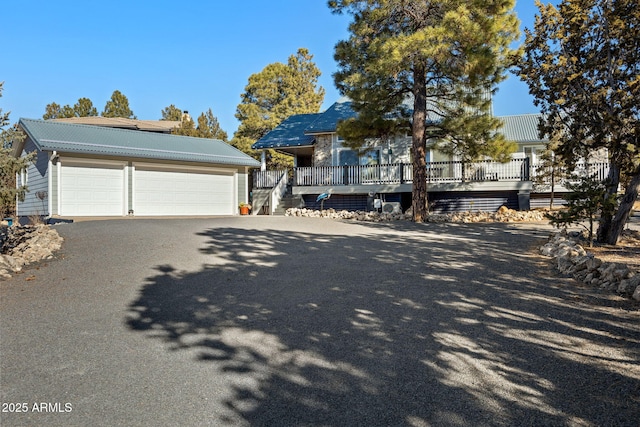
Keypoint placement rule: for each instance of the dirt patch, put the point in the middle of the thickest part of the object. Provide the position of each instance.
(627, 251)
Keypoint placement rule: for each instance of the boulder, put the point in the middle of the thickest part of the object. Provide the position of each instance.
(23, 245)
(628, 286)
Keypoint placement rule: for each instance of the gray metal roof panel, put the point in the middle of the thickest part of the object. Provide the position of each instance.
(328, 121)
(87, 139)
(521, 128)
(289, 133)
(298, 130)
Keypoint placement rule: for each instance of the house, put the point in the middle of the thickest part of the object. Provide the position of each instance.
(322, 163)
(88, 170)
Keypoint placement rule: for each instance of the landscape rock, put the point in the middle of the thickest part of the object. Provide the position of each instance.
(572, 259)
(628, 286)
(503, 214)
(24, 245)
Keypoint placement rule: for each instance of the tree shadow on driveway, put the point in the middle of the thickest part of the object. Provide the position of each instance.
(398, 324)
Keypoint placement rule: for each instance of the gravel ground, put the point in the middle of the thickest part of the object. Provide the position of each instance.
(303, 321)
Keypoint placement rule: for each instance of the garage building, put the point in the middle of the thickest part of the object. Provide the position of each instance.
(84, 170)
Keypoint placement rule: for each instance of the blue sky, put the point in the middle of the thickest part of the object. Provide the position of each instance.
(193, 54)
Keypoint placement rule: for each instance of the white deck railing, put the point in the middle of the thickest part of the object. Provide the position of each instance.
(267, 179)
(600, 171)
(402, 173)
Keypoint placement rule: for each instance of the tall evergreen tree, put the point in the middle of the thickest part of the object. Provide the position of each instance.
(586, 199)
(187, 127)
(209, 127)
(84, 108)
(275, 93)
(56, 111)
(428, 61)
(172, 113)
(118, 106)
(582, 64)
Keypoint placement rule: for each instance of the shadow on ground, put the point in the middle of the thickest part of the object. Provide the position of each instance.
(414, 325)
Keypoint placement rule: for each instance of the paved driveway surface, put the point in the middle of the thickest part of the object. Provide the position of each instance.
(298, 321)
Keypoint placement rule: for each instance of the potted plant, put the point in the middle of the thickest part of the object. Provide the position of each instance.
(244, 208)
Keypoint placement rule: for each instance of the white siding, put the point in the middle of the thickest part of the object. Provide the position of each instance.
(37, 183)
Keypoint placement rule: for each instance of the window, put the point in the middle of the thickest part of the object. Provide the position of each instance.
(23, 177)
(347, 158)
(371, 157)
(351, 158)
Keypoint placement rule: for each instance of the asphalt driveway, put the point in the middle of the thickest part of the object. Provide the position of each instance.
(300, 321)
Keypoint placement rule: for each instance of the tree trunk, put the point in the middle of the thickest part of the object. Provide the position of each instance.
(419, 144)
(553, 186)
(603, 235)
(624, 209)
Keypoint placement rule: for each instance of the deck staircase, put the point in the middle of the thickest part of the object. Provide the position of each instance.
(263, 197)
(289, 201)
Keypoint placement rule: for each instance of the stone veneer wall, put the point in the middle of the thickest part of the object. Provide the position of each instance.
(322, 151)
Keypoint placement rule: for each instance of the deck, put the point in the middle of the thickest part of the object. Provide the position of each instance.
(517, 174)
(451, 185)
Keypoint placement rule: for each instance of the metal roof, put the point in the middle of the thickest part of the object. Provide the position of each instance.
(299, 130)
(106, 141)
(521, 128)
(289, 133)
(328, 121)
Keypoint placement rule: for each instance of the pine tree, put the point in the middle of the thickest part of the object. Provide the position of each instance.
(55, 111)
(275, 93)
(209, 127)
(187, 127)
(84, 108)
(118, 106)
(172, 113)
(587, 198)
(582, 64)
(432, 63)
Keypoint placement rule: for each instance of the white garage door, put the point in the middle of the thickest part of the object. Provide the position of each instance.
(183, 192)
(92, 190)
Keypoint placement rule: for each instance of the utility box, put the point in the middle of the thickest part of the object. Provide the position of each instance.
(524, 200)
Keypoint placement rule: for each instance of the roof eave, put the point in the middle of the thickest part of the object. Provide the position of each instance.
(43, 144)
(154, 155)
